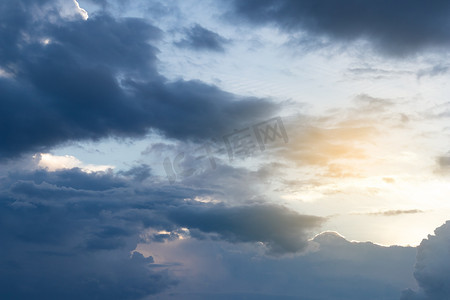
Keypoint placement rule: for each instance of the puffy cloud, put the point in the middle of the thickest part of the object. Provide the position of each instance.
(56, 162)
(97, 78)
(333, 268)
(62, 238)
(432, 269)
(69, 233)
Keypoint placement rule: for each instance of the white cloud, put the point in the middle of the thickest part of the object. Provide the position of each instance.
(46, 41)
(72, 10)
(55, 162)
(4, 73)
(83, 13)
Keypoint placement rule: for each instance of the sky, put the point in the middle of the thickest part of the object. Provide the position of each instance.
(251, 149)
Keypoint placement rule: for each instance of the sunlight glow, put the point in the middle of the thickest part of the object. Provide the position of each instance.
(54, 163)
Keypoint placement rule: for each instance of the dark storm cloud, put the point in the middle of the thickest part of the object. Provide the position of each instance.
(200, 38)
(98, 78)
(69, 234)
(283, 230)
(395, 28)
(193, 110)
(73, 178)
(57, 245)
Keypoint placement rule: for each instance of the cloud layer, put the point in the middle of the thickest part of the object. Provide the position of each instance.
(432, 269)
(115, 72)
(397, 29)
(89, 79)
(68, 233)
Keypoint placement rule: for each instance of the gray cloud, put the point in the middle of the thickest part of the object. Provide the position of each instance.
(63, 238)
(396, 29)
(397, 212)
(283, 230)
(333, 268)
(443, 161)
(433, 71)
(432, 269)
(67, 233)
(139, 173)
(96, 79)
(200, 38)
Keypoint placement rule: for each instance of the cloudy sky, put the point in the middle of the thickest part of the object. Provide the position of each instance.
(224, 149)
